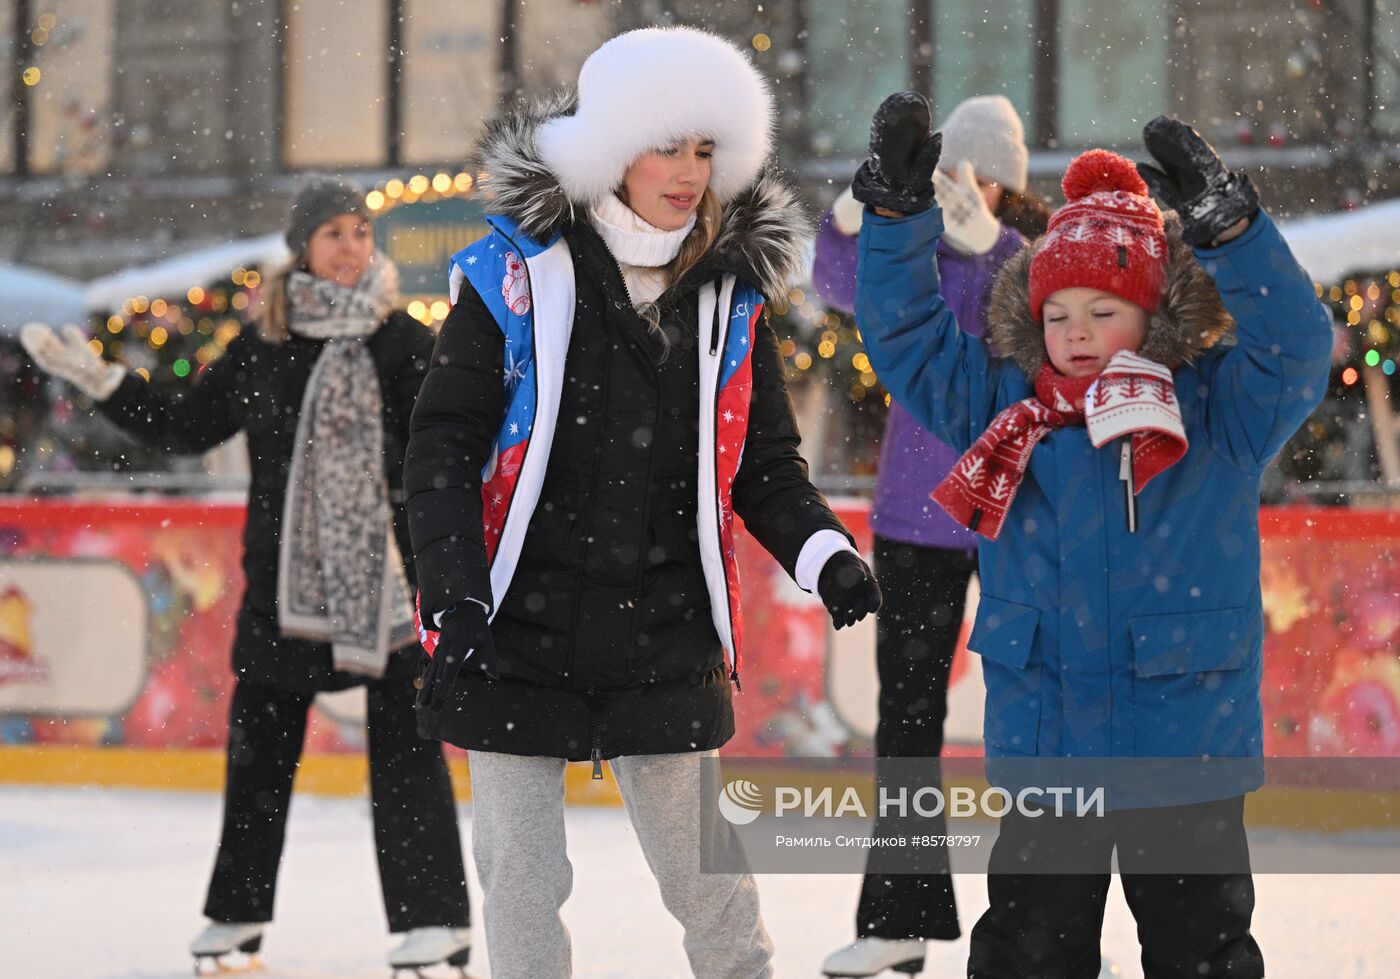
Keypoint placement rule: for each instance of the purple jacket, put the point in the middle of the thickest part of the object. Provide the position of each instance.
(913, 462)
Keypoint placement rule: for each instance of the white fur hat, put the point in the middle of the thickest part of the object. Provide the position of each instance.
(647, 89)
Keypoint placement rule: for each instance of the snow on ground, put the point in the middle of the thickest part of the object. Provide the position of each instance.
(107, 884)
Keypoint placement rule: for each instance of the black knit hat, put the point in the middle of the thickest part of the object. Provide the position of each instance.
(320, 198)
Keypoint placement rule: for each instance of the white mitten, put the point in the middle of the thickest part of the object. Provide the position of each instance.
(846, 214)
(968, 224)
(70, 358)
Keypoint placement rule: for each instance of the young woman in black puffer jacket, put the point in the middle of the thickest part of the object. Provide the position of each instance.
(604, 397)
(323, 390)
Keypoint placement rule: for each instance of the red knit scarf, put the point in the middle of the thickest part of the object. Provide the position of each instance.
(1131, 396)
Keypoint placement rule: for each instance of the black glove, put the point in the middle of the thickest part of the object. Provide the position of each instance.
(903, 155)
(848, 589)
(1194, 182)
(464, 639)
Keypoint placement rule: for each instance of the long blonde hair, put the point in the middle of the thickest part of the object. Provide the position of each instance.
(701, 239)
(271, 315)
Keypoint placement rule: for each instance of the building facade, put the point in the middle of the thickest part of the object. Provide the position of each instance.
(136, 127)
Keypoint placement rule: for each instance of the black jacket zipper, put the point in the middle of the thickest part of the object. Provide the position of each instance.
(714, 323)
(596, 743)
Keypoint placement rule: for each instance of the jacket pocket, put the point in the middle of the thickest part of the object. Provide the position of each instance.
(1195, 693)
(672, 537)
(551, 538)
(1004, 636)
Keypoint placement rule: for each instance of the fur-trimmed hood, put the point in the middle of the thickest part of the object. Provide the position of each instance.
(763, 229)
(1191, 317)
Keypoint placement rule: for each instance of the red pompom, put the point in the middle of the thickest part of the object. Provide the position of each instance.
(1099, 170)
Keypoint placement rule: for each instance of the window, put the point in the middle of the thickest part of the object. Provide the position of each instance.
(981, 47)
(1112, 70)
(1386, 57)
(555, 38)
(450, 68)
(857, 53)
(70, 110)
(60, 63)
(349, 104)
(1269, 73)
(9, 78)
(336, 64)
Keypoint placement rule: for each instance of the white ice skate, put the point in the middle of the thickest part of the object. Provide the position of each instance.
(223, 938)
(423, 947)
(871, 956)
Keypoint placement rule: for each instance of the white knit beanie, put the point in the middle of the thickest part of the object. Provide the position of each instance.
(986, 131)
(647, 89)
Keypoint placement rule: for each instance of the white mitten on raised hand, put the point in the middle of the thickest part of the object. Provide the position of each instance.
(846, 214)
(968, 224)
(70, 358)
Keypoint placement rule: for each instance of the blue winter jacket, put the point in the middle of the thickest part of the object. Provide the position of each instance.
(1099, 642)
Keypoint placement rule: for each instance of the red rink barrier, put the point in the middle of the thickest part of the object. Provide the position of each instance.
(116, 621)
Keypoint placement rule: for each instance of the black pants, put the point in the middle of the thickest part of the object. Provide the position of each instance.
(415, 816)
(916, 635)
(1191, 926)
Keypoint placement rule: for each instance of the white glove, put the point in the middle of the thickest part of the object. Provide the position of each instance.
(72, 359)
(969, 226)
(846, 214)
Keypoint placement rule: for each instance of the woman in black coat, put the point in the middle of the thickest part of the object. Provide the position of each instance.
(605, 395)
(323, 389)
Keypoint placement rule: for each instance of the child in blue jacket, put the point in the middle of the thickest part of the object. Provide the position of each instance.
(1111, 466)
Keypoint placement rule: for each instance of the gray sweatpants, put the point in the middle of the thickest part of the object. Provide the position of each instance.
(518, 842)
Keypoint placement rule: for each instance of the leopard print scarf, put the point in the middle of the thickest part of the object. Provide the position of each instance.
(340, 574)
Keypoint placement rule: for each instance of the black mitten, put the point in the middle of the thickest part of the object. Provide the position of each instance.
(848, 589)
(1194, 182)
(903, 155)
(465, 638)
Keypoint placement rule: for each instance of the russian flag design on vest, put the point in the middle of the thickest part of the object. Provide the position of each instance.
(731, 429)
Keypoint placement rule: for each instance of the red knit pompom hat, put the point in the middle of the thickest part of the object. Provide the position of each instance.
(1108, 236)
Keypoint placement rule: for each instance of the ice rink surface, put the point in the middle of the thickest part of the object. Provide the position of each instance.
(108, 884)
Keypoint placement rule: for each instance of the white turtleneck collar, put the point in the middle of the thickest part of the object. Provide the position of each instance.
(641, 249)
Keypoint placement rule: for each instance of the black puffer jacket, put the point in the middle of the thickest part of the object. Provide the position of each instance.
(604, 639)
(257, 388)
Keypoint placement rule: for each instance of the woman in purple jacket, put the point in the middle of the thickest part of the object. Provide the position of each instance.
(923, 558)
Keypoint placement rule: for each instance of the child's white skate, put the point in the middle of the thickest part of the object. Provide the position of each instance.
(871, 956)
(223, 938)
(423, 947)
